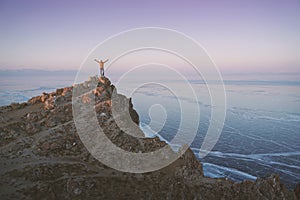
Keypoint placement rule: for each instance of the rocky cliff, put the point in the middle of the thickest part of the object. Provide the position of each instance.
(42, 156)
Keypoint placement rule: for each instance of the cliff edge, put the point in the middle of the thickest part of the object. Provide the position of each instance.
(42, 156)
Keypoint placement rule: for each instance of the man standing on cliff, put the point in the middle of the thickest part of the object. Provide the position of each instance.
(101, 65)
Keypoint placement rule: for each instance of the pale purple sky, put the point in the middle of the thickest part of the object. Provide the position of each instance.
(240, 36)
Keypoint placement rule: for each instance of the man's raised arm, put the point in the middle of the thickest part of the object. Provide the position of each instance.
(105, 60)
(97, 60)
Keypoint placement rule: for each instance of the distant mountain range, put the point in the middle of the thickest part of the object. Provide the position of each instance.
(39, 72)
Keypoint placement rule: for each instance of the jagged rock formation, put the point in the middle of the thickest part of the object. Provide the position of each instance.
(42, 156)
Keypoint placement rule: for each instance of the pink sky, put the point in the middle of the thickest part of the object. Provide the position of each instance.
(240, 36)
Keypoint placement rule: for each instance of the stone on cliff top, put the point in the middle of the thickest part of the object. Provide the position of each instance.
(105, 81)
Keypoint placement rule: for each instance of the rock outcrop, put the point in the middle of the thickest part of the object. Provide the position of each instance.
(42, 156)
